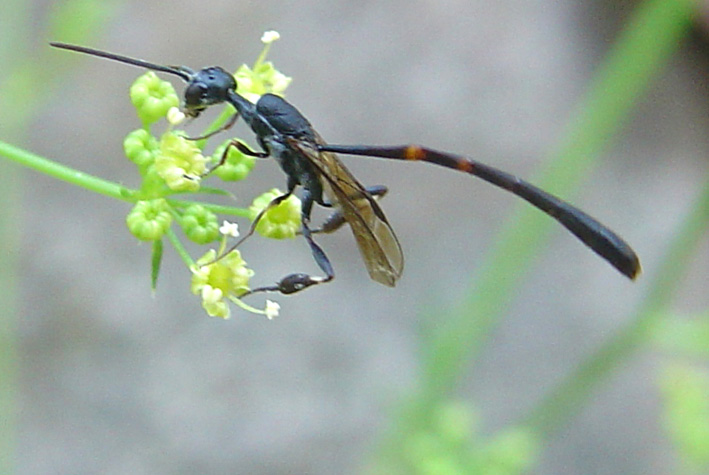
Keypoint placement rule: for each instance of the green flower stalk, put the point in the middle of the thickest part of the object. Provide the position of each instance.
(279, 222)
(153, 185)
(180, 163)
(149, 220)
(152, 98)
(199, 224)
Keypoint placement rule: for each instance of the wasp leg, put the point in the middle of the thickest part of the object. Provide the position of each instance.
(273, 203)
(228, 125)
(337, 219)
(243, 148)
(296, 282)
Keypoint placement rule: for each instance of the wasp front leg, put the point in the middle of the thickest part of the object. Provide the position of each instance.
(241, 147)
(229, 124)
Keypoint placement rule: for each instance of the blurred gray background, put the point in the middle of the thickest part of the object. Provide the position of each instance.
(116, 380)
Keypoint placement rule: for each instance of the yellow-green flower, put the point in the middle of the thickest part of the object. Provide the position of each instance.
(180, 163)
(264, 77)
(253, 83)
(279, 222)
(217, 281)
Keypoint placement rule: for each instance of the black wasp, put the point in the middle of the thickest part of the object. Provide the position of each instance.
(311, 163)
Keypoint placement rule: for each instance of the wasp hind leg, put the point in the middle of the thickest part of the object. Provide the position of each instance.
(296, 282)
(336, 220)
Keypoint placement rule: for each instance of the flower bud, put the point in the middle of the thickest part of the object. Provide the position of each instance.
(199, 224)
(149, 220)
(152, 97)
(141, 147)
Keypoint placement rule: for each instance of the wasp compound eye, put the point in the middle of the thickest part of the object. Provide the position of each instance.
(196, 98)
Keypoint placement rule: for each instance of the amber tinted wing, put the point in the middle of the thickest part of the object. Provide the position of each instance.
(375, 238)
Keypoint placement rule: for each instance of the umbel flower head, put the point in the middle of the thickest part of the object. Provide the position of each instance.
(199, 224)
(174, 164)
(141, 148)
(237, 165)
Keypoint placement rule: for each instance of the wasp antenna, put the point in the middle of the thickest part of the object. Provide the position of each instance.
(185, 73)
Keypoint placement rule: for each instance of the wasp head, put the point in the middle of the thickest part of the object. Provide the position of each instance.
(207, 87)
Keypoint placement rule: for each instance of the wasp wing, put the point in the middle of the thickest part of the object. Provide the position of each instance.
(375, 238)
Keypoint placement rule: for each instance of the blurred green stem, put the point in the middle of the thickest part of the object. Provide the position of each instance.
(16, 14)
(652, 35)
(62, 172)
(577, 387)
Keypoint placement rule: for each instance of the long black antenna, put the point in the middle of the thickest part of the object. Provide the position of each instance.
(185, 73)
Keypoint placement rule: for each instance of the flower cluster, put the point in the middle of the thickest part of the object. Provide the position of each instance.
(172, 163)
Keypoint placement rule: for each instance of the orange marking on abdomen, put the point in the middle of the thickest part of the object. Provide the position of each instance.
(414, 152)
(465, 166)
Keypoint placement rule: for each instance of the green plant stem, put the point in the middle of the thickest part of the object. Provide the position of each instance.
(555, 409)
(181, 251)
(653, 34)
(217, 209)
(99, 185)
(64, 173)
